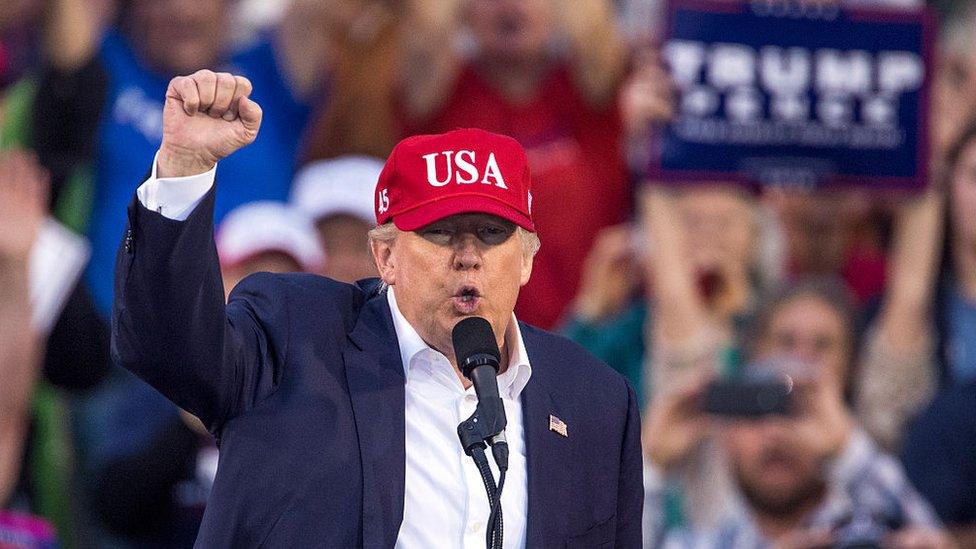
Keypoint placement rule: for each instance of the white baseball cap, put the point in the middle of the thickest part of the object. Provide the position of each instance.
(268, 226)
(342, 185)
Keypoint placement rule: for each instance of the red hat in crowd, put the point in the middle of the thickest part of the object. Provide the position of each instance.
(430, 177)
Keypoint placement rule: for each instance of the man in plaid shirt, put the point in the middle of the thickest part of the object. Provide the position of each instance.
(809, 479)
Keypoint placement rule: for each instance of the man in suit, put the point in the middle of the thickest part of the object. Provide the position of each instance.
(335, 406)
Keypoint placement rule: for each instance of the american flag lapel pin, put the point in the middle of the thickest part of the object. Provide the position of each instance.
(557, 425)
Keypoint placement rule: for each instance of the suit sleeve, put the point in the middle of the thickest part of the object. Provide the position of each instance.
(630, 496)
(170, 326)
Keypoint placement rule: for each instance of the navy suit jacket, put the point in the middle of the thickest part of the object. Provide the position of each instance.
(300, 380)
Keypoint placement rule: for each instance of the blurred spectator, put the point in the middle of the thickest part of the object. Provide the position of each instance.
(926, 332)
(269, 237)
(18, 52)
(808, 479)
(123, 79)
(705, 279)
(696, 257)
(559, 103)
(823, 232)
(898, 364)
(608, 316)
(956, 310)
(696, 252)
(338, 196)
(75, 354)
(40, 263)
(832, 232)
(363, 42)
(22, 212)
(152, 476)
(640, 20)
(954, 86)
(252, 19)
(18, 39)
(101, 108)
(647, 99)
(939, 459)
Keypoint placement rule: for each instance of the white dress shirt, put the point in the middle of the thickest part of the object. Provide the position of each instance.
(445, 503)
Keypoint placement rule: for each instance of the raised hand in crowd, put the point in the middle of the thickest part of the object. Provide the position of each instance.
(704, 242)
(207, 116)
(610, 275)
(597, 50)
(429, 64)
(820, 420)
(647, 97)
(72, 30)
(675, 425)
(597, 53)
(681, 312)
(23, 187)
(23, 206)
(898, 372)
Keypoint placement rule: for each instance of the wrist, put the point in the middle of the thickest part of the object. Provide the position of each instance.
(175, 161)
(17, 257)
(14, 268)
(587, 309)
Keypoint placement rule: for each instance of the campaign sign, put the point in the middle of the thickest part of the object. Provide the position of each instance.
(778, 92)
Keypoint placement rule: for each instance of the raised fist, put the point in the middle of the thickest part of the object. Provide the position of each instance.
(207, 116)
(23, 203)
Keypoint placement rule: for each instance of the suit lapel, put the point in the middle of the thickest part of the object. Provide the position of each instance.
(376, 387)
(548, 453)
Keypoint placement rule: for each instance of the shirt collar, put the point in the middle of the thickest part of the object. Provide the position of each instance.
(510, 383)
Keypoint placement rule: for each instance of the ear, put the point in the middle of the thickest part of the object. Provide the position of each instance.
(526, 273)
(385, 259)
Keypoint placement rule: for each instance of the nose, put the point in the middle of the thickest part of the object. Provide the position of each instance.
(467, 252)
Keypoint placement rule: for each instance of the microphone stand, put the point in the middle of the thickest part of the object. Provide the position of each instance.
(474, 433)
(486, 426)
(478, 356)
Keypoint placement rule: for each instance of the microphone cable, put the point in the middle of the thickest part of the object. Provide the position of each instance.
(493, 532)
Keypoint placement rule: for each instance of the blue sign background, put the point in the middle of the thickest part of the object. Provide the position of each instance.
(904, 166)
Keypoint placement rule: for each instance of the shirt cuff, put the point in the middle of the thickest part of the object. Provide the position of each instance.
(175, 197)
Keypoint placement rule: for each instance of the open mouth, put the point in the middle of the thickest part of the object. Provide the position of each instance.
(468, 293)
(466, 300)
(509, 26)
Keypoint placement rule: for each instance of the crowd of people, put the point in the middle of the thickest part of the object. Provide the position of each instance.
(866, 301)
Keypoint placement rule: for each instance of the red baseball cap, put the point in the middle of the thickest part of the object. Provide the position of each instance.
(430, 177)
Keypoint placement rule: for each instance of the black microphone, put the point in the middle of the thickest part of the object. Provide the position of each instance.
(477, 356)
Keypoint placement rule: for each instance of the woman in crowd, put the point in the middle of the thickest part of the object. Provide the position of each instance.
(925, 335)
(695, 256)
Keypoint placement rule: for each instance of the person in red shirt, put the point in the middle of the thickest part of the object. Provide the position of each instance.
(545, 73)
